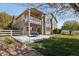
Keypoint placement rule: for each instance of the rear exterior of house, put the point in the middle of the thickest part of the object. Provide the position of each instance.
(34, 20)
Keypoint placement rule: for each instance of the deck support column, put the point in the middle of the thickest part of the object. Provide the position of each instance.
(29, 24)
(43, 25)
(23, 32)
(51, 26)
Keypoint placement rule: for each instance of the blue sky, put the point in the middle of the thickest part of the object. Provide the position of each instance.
(16, 9)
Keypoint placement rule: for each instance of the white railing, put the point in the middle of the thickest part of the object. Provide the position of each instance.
(33, 20)
(10, 32)
(48, 25)
(36, 21)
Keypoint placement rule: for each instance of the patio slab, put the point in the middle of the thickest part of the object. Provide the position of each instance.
(26, 39)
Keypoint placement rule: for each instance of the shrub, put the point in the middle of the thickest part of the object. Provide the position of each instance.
(57, 31)
(8, 40)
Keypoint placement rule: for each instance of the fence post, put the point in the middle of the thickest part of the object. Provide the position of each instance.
(11, 32)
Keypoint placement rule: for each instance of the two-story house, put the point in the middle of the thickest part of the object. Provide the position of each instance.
(34, 20)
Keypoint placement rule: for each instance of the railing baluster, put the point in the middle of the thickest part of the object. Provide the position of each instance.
(11, 32)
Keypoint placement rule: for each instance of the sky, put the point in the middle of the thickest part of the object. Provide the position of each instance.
(16, 9)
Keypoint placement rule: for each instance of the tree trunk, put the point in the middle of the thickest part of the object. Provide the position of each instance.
(70, 32)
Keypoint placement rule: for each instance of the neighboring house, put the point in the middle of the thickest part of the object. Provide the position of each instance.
(67, 32)
(34, 20)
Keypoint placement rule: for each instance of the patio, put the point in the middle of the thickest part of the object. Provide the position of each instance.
(26, 39)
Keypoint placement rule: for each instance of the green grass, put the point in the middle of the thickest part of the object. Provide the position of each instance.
(67, 36)
(60, 45)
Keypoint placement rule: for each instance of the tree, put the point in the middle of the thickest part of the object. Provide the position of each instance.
(75, 6)
(70, 25)
(57, 31)
(5, 20)
(59, 6)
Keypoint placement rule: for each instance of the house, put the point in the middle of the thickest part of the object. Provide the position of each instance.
(74, 32)
(34, 20)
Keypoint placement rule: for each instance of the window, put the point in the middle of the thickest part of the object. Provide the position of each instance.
(27, 28)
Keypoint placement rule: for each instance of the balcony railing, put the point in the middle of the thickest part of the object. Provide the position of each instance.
(34, 20)
(48, 25)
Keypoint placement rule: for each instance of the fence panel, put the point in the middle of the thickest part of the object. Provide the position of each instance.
(11, 32)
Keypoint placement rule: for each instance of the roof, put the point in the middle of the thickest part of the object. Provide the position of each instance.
(34, 11)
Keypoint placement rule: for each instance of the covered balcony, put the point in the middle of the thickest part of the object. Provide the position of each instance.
(33, 20)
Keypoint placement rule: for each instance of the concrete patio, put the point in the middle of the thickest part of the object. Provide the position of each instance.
(26, 39)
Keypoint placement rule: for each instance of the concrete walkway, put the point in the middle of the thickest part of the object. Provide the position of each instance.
(26, 39)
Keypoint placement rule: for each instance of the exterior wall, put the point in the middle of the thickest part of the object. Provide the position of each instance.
(20, 25)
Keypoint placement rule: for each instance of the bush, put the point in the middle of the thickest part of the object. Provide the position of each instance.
(8, 40)
(57, 31)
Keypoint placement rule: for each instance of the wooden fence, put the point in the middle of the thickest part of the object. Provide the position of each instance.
(11, 32)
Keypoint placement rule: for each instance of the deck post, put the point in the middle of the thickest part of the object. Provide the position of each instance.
(51, 26)
(29, 23)
(23, 31)
(42, 26)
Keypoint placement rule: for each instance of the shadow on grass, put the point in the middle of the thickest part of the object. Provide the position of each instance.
(58, 47)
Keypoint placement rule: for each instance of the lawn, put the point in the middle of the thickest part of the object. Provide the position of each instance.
(60, 45)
